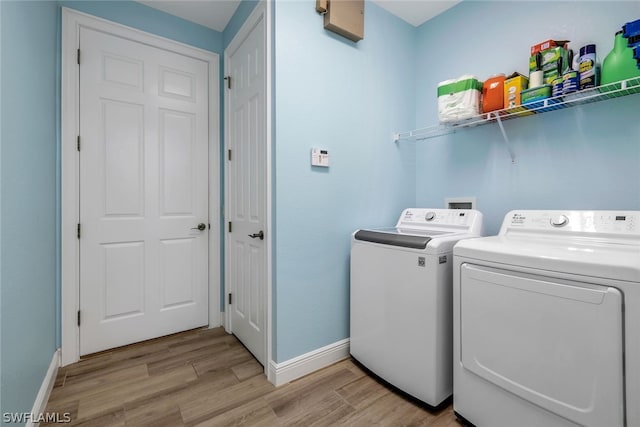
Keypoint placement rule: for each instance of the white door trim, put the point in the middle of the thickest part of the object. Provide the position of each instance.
(72, 21)
(262, 10)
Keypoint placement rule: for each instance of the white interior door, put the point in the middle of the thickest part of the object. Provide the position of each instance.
(246, 189)
(143, 190)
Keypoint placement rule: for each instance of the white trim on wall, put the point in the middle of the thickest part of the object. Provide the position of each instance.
(72, 21)
(268, 6)
(42, 397)
(282, 373)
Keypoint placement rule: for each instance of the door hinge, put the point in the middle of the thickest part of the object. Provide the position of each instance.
(78, 56)
(230, 298)
(229, 154)
(78, 317)
(230, 227)
(78, 143)
(228, 79)
(78, 230)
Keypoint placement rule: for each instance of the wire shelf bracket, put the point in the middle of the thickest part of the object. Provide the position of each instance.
(506, 139)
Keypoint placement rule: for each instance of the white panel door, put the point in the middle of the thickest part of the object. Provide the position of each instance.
(246, 202)
(143, 192)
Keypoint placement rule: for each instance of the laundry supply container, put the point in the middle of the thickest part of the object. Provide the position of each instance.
(493, 93)
(459, 99)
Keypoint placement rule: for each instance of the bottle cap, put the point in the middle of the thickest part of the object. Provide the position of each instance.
(585, 50)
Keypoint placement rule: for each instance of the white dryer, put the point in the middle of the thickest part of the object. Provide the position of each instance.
(547, 321)
(401, 299)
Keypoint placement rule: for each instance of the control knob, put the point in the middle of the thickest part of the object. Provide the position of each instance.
(559, 221)
(430, 216)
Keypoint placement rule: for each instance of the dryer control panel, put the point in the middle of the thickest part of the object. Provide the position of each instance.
(610, 222)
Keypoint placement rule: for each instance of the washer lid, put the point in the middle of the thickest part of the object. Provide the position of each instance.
(395, 237)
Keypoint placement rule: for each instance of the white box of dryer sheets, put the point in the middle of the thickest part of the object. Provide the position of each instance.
(459, 99)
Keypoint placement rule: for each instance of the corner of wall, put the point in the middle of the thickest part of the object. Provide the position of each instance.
(287, 371)
(240, 15)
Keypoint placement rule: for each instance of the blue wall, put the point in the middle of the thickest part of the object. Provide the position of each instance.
(581, 158)
(28, 193)
(30, 177)
(347, 98)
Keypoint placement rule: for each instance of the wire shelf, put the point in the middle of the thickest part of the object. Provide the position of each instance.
(587, 96)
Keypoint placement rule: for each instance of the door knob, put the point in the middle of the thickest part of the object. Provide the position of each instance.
(200, 227)
(259, 235)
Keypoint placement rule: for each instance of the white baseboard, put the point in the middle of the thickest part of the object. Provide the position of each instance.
(282, 373)
(42, 398)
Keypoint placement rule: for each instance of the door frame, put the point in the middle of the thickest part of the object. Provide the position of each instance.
(72, 21)
(263, 10)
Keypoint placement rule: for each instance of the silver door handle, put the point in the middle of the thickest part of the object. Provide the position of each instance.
(200, 227)
(259, 234)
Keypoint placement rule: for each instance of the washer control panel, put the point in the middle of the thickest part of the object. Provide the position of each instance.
(623, 222)
(433, 219)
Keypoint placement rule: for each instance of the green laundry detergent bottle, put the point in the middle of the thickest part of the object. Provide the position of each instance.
(619, 64)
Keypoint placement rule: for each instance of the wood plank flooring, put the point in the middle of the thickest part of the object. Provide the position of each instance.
(207, 378)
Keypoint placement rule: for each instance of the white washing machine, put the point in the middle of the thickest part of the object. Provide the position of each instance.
(401, 299)
(547, 321)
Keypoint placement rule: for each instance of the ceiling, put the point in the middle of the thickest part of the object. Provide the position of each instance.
(215, 14)
(416, 12)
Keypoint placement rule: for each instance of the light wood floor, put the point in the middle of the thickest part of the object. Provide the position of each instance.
(207, 378)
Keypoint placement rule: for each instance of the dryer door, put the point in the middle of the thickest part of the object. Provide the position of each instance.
(555, 343)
